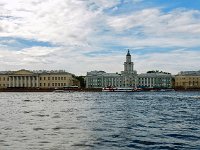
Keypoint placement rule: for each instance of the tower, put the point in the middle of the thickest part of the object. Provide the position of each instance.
(128, 65)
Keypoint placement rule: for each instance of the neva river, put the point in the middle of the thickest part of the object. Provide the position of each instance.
(100, 121)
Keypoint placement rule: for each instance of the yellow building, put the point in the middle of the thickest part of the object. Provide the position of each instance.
(37, 79)
(188, 80)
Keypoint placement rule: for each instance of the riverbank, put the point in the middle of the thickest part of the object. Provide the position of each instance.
(47, 90)
(83, 90)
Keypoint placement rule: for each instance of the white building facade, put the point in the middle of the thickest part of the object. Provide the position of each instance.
(155, 80)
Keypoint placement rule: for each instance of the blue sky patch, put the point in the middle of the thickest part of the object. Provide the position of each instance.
(20, 43)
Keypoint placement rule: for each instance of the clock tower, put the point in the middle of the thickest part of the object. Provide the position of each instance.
(128, 65)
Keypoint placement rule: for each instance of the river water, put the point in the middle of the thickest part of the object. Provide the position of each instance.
(99, 121)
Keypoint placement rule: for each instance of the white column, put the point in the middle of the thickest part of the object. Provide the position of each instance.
(153, 81)
(28, 79)
(112, 82)
(17, 80)
(25, 81)
(33, 81)
(13, 81)
(9, 78)
(37, 81)
(21, 83)
(150, 82)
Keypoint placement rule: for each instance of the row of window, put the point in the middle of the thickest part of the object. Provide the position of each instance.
(154, 79)
(3, 85)
(41, 78)
(155, 85)
(188, 78)
(4, 79)
(161, 82)
(110, 85)
(53, 84)
(52, 78)
(41, 84)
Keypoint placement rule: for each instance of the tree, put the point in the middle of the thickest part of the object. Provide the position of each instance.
(81, 80)
(157, 71)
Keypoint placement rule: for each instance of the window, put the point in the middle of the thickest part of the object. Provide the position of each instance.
(48, 78)
(61, 78)
(58, 78)
(44, 78)
(52, 84)
(58, 84)
(55, 78)
(44, 84)
(52, 78)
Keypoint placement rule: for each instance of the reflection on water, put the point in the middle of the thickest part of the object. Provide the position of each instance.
(107, 121)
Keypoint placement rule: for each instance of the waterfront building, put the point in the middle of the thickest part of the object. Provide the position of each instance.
(155, 80)
(37, 79)
(100, 79)
(188, 80)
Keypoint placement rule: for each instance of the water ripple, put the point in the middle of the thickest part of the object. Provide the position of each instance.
(100, 121)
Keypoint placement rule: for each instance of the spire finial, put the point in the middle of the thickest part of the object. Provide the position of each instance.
(128, 53)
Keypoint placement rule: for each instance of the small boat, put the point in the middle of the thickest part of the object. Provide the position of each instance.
(59, 91)
(167, 90)
(119, 89)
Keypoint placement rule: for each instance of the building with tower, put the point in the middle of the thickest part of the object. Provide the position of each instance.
(129, 75)
(100, 79)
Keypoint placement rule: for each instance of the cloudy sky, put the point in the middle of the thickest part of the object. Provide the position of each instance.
(84, 35)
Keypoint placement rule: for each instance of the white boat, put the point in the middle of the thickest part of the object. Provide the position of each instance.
(117, 89)
(58, 91)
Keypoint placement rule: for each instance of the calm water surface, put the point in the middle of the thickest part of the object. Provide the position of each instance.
(106, 121)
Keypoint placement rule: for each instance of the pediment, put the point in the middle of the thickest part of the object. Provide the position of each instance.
(23, 72)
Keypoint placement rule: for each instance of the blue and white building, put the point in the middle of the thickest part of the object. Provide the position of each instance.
(100, 79)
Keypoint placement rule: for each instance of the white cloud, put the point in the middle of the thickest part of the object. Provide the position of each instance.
(80, 26)
(174, 61)
(156, 23)
(60, 21)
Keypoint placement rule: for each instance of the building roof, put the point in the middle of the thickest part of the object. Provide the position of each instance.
(189, 73)
(154, 75)
(35, 72)
(95, 72)
(110, 74)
